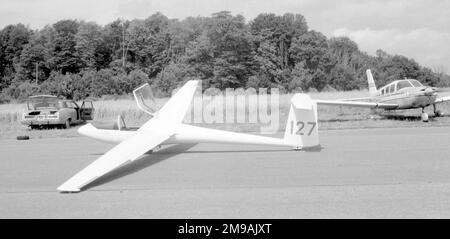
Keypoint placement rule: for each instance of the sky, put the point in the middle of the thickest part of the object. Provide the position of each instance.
(417, 29)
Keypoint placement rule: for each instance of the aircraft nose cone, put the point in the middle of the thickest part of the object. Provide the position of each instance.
(430, 91)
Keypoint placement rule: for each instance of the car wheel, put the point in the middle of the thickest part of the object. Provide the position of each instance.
(67, 124)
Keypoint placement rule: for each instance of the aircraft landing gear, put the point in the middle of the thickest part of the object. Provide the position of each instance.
(424, 116)
(437, 113)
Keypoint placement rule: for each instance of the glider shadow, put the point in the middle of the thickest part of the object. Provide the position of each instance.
(308, 149)
(315, 149)
(235, 151)
(342, 120)
(150, 159)
(409, 117)
(147, 160)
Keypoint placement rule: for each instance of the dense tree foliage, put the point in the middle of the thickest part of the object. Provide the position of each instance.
(77, 59)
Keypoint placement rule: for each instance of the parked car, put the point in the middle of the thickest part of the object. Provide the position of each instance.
(49, 110)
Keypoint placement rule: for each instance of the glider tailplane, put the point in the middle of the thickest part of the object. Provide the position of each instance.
(302, 129)
(372, 87)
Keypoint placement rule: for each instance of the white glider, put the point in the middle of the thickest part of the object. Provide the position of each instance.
(166, 127)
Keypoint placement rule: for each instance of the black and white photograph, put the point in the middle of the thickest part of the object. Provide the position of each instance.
(214, 109)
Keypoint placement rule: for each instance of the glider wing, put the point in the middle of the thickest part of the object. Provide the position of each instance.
(125, 152)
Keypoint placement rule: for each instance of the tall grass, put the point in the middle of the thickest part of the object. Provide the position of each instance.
(330, 117)
(11, 113)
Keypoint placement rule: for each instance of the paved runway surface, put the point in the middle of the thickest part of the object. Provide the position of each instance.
(374, 173)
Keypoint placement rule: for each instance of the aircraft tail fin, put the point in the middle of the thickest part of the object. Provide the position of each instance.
(372, 87)
(302, 129)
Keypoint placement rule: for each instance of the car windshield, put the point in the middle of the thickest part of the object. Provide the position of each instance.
(416, 83)
(42, 103)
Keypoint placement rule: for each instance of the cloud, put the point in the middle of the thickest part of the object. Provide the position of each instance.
(428, 47)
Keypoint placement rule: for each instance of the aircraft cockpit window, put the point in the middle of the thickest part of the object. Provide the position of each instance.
(416, 83)
(403, 84)
(392, 88)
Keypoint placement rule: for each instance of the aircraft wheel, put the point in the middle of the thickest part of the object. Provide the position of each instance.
(424, 117)
(438, 113)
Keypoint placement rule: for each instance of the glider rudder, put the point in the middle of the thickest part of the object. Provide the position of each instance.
(302, 126)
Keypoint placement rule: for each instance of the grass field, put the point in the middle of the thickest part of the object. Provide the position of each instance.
(329, 117)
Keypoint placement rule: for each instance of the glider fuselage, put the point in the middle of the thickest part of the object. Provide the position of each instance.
(183, 134)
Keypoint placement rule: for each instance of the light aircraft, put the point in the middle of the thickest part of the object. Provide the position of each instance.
(166, 127)
(397, 95)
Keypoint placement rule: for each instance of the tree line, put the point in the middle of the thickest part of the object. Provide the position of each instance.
(78, 59)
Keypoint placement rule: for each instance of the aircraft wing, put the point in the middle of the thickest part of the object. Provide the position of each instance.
(175, 109)
(357, 104)
(363, 99)
(125, 152)
(442, 99)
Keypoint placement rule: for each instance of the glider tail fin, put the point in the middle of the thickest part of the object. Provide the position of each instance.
(302, 129)
(372, 88)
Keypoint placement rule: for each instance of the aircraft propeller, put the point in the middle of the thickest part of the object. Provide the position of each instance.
(433, 90)
(429, 91)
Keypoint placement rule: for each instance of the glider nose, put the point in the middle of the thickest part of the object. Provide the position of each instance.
(86, 130)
